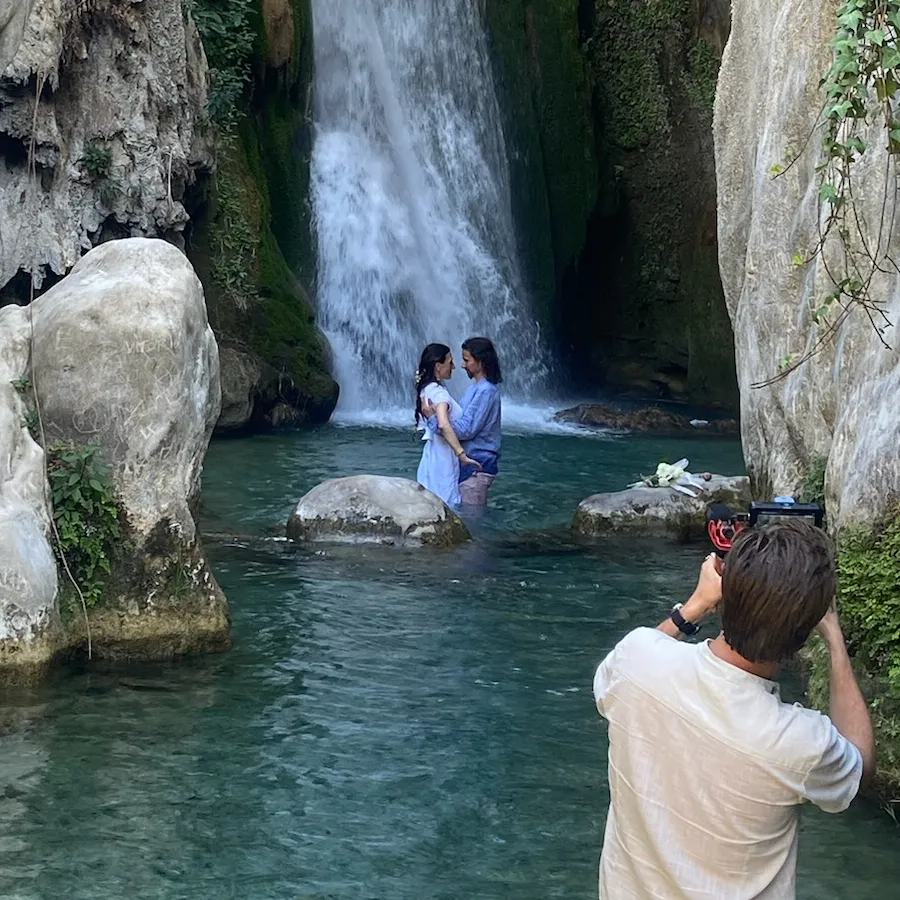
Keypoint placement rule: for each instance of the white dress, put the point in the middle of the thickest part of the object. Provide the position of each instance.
(439, 467)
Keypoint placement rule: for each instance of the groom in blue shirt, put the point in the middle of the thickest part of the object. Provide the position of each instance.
(478, 428)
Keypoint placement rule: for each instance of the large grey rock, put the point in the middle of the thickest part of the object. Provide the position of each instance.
(124, 358)
(127, 79)
(375, 509)
(842, 404)
(658, 512)
(28, 614)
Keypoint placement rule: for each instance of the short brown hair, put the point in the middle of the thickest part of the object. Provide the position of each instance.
(778, 582)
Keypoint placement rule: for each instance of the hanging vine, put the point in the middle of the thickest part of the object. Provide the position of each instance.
(861, 89)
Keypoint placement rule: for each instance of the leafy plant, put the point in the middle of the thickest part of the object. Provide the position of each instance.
(869, 605)
(86, 514)
(813, 488)
(96, 160)
(860, 89)
(225, 27)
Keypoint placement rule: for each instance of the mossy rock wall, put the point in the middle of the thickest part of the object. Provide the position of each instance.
(254, 248)
(610, 134)
(544, 88)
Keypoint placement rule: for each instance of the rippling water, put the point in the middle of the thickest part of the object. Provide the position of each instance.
(388, 726)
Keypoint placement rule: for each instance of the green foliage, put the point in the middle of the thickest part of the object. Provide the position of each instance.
(813, 488)
(228, 33)
(96, 160)
(86, 514)
(869, 605)
(234, 242)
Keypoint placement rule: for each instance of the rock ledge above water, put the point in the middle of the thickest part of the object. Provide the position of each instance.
(648, 418)
(375, 509)
(658, 512)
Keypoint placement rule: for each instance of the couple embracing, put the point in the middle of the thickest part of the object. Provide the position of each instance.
(462, 440)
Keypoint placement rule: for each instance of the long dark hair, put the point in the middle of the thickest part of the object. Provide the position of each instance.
(482, 349)
(431, 356)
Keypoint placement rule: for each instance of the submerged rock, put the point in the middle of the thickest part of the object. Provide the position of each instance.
(658, 512)
(375, 509)
(124, 359)
(648, 418)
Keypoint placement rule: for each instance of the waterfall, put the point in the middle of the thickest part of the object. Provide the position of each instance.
(411, 200)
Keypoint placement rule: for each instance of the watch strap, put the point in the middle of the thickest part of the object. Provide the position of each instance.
(682, 624)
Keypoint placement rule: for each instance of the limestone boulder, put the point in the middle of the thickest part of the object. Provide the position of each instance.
(124, 359)
(375, 509)
(29, 620)
(658, 512)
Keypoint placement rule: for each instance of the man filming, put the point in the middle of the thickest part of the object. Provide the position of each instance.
(707, 766)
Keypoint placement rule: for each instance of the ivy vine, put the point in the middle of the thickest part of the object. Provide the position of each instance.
(861, 88)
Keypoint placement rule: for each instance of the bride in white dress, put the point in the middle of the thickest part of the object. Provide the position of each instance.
(442, 453)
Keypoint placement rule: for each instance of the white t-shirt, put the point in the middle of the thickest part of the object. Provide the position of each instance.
(707, 769)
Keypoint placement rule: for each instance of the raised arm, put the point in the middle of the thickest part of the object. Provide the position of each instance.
(847, 707)
(702, 603)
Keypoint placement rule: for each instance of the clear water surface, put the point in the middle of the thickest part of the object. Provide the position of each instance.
(388, 725)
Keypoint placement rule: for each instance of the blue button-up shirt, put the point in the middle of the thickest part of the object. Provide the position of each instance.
(478, 428)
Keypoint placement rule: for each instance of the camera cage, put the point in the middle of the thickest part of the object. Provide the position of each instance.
(723, 525)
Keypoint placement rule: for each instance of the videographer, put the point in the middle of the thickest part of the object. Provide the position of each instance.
(707, 766)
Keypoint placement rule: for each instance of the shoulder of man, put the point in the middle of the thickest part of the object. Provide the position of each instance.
(630, 656)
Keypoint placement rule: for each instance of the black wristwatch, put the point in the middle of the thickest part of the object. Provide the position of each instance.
(681, 623)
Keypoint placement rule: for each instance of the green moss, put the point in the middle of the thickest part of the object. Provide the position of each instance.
(869, 607)
(545, 94)
(700, 76)
(274, 316)
(813, 487)
(649, 301)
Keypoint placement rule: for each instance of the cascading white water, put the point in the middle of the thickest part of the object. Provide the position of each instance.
(411, 199)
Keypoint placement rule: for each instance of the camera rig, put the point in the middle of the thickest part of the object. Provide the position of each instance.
(723, 524)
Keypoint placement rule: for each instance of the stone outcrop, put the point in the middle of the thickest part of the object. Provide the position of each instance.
(123, 358)
(647, 418)
(841, 404)
(375, 509)
(112, 98)
(658, 512)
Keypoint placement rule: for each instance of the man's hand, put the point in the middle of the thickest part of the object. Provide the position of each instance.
(427, 409)
(707, 594)
(829, 628)
(703, 601)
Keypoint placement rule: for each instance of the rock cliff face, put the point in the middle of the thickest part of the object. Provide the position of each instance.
(110, 96)
(609, 110)
(841, 405)
(111, 100)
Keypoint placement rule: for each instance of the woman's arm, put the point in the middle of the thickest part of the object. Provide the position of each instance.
(443, 416)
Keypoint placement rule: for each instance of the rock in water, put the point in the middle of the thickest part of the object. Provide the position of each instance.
(658, 512)
(375, 509)
(29, 620)
(124, 358)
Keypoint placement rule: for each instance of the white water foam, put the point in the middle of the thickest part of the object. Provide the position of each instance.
(411, 200)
